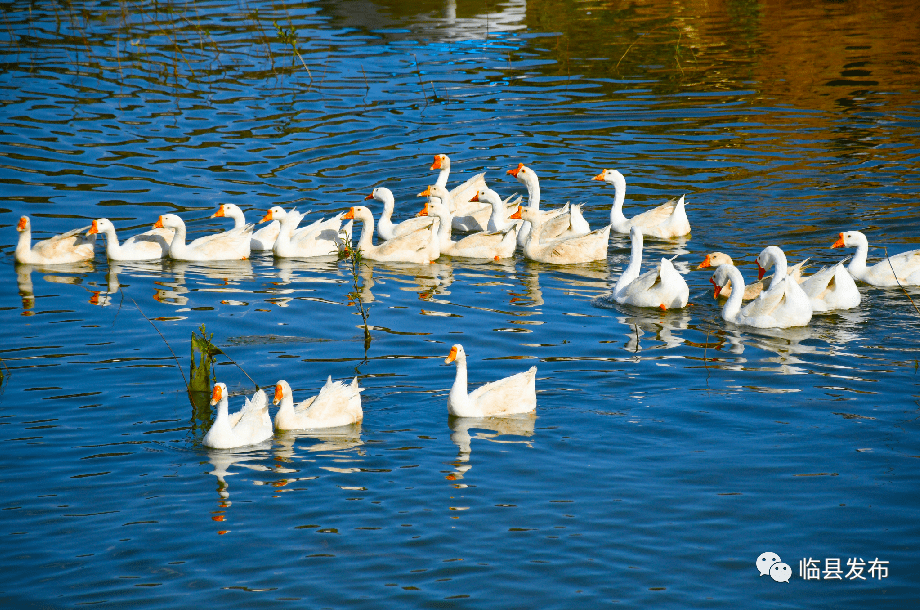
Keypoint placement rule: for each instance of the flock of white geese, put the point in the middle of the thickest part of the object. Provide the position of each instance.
(494, 228)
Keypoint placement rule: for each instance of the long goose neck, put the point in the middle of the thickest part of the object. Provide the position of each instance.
(499, 219)
(177, 246)
(389, 204)
(366, 241)
(858, 262)
(287, 405)
(443, 175)
(536, 229)
(459, 388)
(619, 195)
(239, 219)
(444, 227)
(635, 263)
(283, 241)
(444, 195)
(223, 413)
(732, 306)
(779, 260)
(111, 241)
(533, 192)
(24, 245)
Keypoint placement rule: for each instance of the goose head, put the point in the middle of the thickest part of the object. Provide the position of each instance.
(611, 176)
(456, 354)
(850, 239)
(719, 279)
(715, 259)
(169, 221)
(441, 162)
(282, 391)
(219, 394)
(100, 225)
(275, 213)
(24, 224)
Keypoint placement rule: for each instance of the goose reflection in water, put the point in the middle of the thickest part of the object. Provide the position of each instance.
(461, 435)
(113, 285)
(427, 280)
(72, 273)
(293, 270)
(223, 460)
(342, 444)
(228, 273)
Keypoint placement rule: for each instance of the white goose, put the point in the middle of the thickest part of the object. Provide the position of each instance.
(229, 245)
(336, 405)
(493, 245)
(147, 246)
(462, 193)
(758, 313)
(261, 240)
(320, 238)
(248, 426)
(795, 306)
(663, 287)
(580, 249)
(906, 264)
(499, 219)
(420, 246)
(715, 259)
(667, 220)
(565, 221)
(385, 228)
(831, 288)
(769, 310)
(507, 396)
(70, 247)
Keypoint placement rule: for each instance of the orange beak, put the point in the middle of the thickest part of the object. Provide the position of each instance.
(425, 193)
(475, 197)
(93, 229)
(371, 196)
(663, 307)
(279, 394)
(159, 223)
(514, 172)
(451, 356)
(215, 395)
(705, 263)
(219, 213)
(760, 272)
(517, 215)
(839, 243)
(437, 162)
(22, 224)
(600, 176)
(424, 211)
(267, 217)
(350, 214)
(718, 289)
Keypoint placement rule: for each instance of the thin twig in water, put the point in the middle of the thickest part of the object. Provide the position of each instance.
(633, 43)
(899, 281)
(176, 358)
(418, 72)
(220, 351)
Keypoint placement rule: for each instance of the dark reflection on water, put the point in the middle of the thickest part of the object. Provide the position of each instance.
(669, 449)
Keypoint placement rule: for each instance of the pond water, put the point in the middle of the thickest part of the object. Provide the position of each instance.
(669, 449)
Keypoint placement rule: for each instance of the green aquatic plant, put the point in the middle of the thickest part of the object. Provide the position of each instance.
(290, 37)
(202, 376)
(354, 258)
